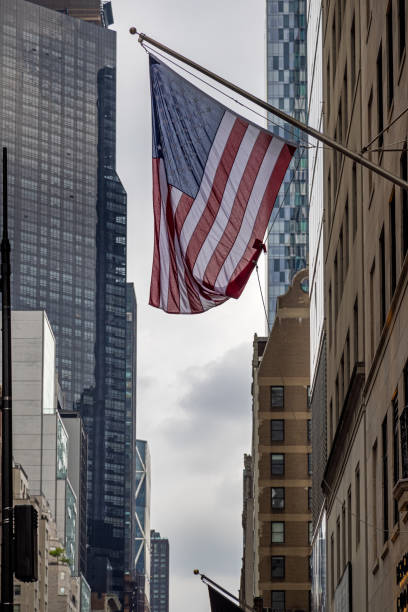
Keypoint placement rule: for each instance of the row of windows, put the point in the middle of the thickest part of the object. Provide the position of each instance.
(341, 540)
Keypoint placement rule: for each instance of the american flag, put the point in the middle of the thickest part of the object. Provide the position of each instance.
(215, 180)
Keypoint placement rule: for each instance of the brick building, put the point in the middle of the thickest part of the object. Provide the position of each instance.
(281, 459)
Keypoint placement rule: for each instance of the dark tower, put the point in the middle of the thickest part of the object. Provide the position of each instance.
(67, 227)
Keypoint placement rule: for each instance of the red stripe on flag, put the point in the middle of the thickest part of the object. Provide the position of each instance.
(243, 270)
(238, 210)
(183, 208)
(173, 298)
(215, 198)
(154, 299)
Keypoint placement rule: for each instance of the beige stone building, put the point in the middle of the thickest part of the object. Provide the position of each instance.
(33, 596)
(365, 75)
(56, 590)
(279, 552)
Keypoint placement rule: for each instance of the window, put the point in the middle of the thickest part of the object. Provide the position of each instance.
(17, 589)
(278, 601)
(336, 296)
(380, 102)
(310, 532)
(329, 196)
(346, 239)
(278, 498)
(393, 245)
(401, 21)
(277, 464)
(390, 55)
(330, 314)
(345, 104)
(277, 532)
(357, 478)
(349, 512)
(354, 196)
(372, 309)
(374, 490)
(395, 431)
(404, 203)
(332, 564)
(277, 398)
(383, 306)
(385, 478)
(309, 463)
(309, 498)
(370, 128)
(277, 430)
(353, 55)
(278, 567)
(338, 549)
(309, 430)
(343, 535)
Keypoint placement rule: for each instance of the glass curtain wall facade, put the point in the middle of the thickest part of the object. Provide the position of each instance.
(67, 225)
(130, 430)
(286, 89)
(106, 421)
(142, 528)
(159, 573)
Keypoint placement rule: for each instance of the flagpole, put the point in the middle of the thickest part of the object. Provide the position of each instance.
(330, 142)
(208, 581)
(7, 589)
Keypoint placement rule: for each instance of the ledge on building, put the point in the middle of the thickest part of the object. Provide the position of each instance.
(339, 444)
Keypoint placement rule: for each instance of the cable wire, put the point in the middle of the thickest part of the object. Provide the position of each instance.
(154, 51)
(262, 297)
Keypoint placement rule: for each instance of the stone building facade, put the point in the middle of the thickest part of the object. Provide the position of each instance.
(366, 304)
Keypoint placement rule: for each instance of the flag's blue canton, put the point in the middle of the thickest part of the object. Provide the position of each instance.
(185, 122)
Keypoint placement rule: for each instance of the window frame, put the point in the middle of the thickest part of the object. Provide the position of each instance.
(282, 541)
(281, 567)
(281, 430)
(272, 389)
(279, 603)
(280, 498)
(278, 464)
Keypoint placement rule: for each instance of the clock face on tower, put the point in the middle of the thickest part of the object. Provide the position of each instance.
(304, 284)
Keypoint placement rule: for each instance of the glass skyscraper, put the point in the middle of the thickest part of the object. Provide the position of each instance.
(287, 90)
(130, 430)
(159, 573)
(142, 527)
(67, 224)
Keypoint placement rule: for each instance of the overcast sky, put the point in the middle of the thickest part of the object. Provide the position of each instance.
(194, 372)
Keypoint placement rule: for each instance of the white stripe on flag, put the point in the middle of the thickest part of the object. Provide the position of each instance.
(163, 240)
(213, 161)
(223, 216)
(251, 212)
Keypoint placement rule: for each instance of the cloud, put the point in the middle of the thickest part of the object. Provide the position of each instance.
(214, 413)
(197, 459)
